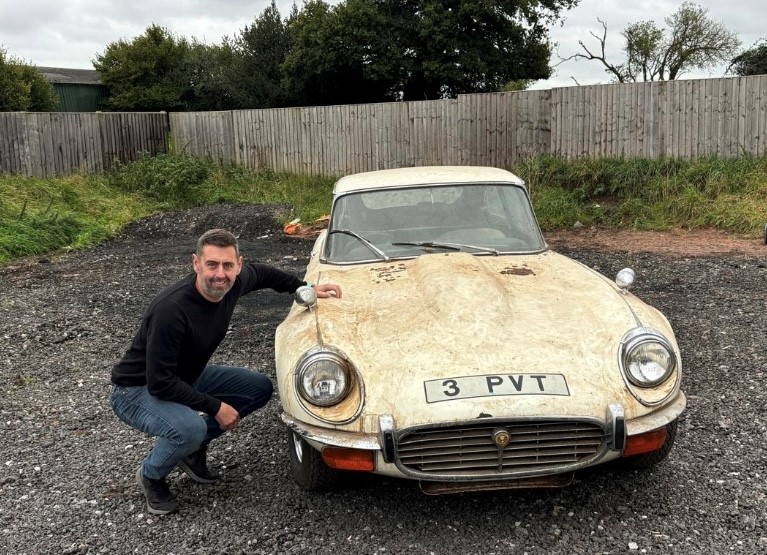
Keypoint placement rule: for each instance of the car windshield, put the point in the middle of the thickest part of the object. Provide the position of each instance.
(384, 224)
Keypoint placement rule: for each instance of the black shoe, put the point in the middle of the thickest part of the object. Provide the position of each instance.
(196, 467)
(159, 499)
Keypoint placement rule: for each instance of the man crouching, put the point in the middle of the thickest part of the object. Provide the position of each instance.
(164, 386)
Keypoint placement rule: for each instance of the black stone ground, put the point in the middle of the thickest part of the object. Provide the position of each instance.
(67, 464)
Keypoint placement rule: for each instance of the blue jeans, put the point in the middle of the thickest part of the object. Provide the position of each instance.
(179, 429)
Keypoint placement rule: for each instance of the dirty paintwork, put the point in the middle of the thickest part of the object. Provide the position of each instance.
(456, 337)
(444, 315)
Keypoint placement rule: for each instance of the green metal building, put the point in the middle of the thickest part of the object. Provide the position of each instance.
(79, 90)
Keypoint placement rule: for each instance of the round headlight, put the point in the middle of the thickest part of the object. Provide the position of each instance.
(324, 378)
(648, 359)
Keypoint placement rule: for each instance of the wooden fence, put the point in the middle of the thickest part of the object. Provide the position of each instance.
(685, 119)
(682, 119)
(486, 129)
(62, 143)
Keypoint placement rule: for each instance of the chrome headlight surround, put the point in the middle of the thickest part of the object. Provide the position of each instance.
(647, 358)
(324, 377)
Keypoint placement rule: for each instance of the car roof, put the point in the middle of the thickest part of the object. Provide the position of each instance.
(424, 175)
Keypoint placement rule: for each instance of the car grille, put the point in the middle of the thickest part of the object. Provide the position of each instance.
(470, 451)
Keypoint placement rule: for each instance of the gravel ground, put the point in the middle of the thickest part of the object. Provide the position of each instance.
(67, 466)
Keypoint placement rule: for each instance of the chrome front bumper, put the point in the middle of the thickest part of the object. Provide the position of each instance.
(615, 431)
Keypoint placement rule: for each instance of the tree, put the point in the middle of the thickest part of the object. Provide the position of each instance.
(516, 85)
(372, 50)
(644, 42)
(147, 73)
(455, 47)
(206, 78)
(42, 96)
(692, 41)
(333, 57)
(159, 71)
(752, 61)
(23, 88)
(258, 52)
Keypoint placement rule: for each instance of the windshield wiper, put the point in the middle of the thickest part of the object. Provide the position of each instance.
(364, 241)
(448, 246)
(430, 244)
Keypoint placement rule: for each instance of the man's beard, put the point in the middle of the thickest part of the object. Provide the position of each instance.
(214, 291)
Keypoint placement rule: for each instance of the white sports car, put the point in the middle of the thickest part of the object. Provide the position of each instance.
(464, 353)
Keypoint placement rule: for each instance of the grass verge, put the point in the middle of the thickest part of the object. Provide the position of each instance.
(39, 216)
(728, 194)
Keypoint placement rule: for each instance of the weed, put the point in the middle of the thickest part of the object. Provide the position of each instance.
(44, 215)
(651, 194)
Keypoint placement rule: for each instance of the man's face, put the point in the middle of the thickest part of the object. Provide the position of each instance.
(216, 269)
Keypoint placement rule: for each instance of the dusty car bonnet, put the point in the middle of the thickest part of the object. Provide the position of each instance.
(485, 314)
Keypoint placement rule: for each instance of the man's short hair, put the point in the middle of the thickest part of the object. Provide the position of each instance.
(218, 238)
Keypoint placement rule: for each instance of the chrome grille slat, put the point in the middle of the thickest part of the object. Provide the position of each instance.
(432, 444)
(448, 450)
(489, 465)
(507, 456)
(470, 450)
(479, 442)
(483, 434)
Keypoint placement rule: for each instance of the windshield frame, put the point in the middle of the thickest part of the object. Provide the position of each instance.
(339, 197)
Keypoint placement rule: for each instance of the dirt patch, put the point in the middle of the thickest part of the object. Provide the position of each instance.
(699, 242)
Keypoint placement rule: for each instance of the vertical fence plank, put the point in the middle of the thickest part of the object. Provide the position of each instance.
(22, 152)
(605, 128)
(675, 115)
(554, 146)
(502, 129)
(709, 120)
(564, 132)
(581, 121)
(693, 108)
(725, 119)
(761, 86)
(19, 149)
(743, 140)
(8, 136)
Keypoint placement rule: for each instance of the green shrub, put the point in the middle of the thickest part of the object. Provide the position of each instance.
(174, 180)
(649, 194)
(557, 208)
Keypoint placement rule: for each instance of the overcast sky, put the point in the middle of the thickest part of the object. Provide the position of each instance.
(70, 33)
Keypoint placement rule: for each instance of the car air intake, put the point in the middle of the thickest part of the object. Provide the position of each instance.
(496, 449)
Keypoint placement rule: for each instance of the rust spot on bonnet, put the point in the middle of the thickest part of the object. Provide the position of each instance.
(514, 271)
(386, 273)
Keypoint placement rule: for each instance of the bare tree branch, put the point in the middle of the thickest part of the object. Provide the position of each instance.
(618, 71)
(692, 41)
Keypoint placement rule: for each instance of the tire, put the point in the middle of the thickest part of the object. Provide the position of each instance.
(648, 460)
(309, 470)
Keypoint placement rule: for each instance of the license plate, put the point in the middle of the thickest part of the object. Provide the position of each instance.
(493, 385)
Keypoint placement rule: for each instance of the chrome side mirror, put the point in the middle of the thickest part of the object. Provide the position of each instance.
(625, 279)
(306, 296)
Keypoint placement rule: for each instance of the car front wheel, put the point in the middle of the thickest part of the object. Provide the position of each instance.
(309, 470)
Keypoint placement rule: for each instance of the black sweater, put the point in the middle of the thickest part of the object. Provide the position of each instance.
(180, 331)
